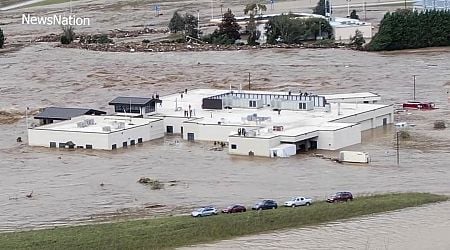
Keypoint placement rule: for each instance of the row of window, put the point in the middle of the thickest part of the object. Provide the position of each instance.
(125, 144)
(89, 146)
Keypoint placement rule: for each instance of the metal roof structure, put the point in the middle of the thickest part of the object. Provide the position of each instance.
(57, 113)
(140, 101)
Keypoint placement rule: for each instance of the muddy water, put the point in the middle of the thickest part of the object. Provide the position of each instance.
(66, 184)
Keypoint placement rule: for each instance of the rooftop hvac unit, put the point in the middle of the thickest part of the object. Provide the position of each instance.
(89, 122)
(81, 124)
(106, 129)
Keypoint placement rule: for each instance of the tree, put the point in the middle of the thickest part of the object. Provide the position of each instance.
(353, 15)
(358, 40)
(255, 8)
(191, 26)
(320, 8)
(290, 30)
(2, 39)
(228, 30)
(176, 23)
(252, 9)
(68, 35)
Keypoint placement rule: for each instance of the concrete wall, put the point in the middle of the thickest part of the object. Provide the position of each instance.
(148, 132)
(175, 122)
(259, 146)
(43, 137)
(371, 119)
(334, 140)
(211, 132)
(345, 33)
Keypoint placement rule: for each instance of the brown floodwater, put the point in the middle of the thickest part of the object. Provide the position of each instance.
(66, 184)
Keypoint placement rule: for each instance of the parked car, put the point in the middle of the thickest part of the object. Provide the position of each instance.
(340, 196)
(234, 209)
(265, 204)
(298, 201)
(204, 211)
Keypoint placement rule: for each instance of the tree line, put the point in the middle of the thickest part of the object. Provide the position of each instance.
(407, 29)
(287, 29)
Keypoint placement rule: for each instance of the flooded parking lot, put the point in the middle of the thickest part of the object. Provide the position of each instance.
(66, 184)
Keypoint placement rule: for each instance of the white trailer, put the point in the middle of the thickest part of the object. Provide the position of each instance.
(354, 157)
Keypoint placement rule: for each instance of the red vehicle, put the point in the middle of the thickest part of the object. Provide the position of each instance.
(340, 196)
(419, 105)
(234, 209)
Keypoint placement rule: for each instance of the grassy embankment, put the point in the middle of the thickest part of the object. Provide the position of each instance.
(50, 2)
(178, 231)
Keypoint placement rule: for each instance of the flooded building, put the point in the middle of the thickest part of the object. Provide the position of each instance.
(52, 114)
(262, 123)
(96, 132)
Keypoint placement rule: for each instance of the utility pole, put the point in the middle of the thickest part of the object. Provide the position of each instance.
(348, 8)
(365, 12)
(414, 94)
(249, 86)
(198, 23)
(212, 9)
(398, 148)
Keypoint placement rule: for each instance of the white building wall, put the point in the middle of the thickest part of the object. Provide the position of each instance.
(37, 137)
(43, 137)
(333, 140)
(211, 132)
(370, 119)
(148, 132)
(175, 122)
(259, 146)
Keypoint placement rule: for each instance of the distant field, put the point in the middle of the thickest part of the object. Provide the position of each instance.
(171, 232)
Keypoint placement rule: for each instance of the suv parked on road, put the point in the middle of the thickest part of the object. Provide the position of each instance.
(204, 211)
(265, 204)
(340, 196)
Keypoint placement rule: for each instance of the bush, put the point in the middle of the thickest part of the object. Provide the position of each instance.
(404, 135)
(68, 35)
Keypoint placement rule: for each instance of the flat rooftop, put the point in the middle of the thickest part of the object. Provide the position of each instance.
(96, 124)
(293, 122)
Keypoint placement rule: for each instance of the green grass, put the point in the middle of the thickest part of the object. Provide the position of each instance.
(170, 232)
(50, 2)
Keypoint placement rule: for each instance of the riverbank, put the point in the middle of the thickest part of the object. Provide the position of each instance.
(179, 231)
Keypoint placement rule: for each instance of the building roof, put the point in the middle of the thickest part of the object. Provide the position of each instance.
(142, 101)
(57, 113)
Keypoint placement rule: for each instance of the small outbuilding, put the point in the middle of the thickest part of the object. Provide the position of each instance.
(135, 106)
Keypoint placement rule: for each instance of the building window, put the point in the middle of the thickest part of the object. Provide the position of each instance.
(233, 146)
(301, 105)
(114, 146)
(139, 140)
(190, 136)
(88, 146)
(62, 145)
(124, 144)
(53, 144)
(170, 129)
(132, 142)
(252, 104)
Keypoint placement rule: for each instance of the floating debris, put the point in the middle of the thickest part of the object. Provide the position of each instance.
(154, 184)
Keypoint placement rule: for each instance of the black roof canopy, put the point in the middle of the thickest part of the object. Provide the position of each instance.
(57, 113)
(139, 101)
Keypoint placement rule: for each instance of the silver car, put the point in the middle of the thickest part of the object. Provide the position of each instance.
(204, 211)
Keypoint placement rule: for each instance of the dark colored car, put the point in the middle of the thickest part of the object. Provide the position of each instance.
(234, 209)
(340, 196)
(265, 204)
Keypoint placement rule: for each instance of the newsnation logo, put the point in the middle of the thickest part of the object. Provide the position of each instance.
(63, 20)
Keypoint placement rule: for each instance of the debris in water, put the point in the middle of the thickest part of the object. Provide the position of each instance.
(154, 184)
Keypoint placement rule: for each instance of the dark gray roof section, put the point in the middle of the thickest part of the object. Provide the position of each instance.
(142, 101)
(56, 113)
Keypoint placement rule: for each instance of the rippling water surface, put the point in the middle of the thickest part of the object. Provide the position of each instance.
(66, 184)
